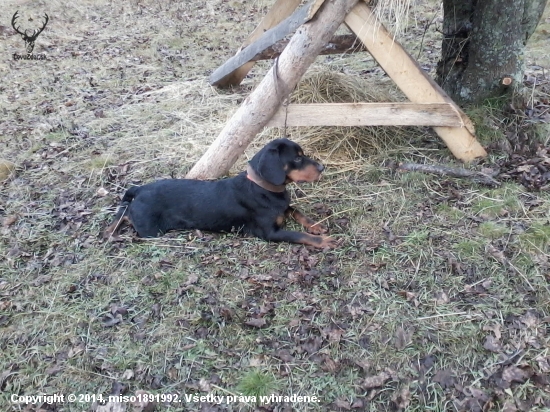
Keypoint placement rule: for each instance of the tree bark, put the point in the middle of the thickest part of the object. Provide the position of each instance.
(483, 43)
(263, 102)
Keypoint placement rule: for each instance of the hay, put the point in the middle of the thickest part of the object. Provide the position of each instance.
(344, 144)
(394, 14)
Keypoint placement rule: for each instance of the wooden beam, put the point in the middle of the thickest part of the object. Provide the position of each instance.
(412, 80)
(270, 37)
(366, 114)
(344, 43)
(260, 106)
(280, 11)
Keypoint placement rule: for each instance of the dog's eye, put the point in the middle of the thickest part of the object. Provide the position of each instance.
(298, 159)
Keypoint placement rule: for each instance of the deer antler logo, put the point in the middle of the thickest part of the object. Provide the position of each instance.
(29, 36)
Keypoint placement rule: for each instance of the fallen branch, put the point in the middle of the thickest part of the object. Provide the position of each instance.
(478, 177)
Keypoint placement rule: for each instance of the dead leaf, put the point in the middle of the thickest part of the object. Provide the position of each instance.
(375, 381)
(544, 363)
(330, 365)
(445, 377)
(256, 322)
(156, 309)
(118, 310)
(495, 328)
(110, 321)
(342, 404)
(53, 370)
(403, 337)
(9, 220)
(143, 406)
(333, 333)
(515, 374)
(529, 319)
(407, 295)
(75, 351)
(402, 399)
(441, 298)
(128, 374)
(40, 280)
(497, 254)
(284, 355)
(509, 406)
(118, 388)
(389, 233)
(492, 344)
(204, 385)
(313, 344)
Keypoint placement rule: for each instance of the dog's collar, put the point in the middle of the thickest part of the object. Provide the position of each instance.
(253, 176)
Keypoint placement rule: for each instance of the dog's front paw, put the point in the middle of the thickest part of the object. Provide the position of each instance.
(329, 243)
(317, 229)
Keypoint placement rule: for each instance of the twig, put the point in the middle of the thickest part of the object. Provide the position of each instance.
(450, 171)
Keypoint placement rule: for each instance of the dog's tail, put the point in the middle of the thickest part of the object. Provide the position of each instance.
(121, 216)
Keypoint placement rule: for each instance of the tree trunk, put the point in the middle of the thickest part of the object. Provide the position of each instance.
(260, 106)
(483, 44)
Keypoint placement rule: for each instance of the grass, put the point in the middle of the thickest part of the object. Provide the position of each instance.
(489, 119)
(257, 384)
(426, 264)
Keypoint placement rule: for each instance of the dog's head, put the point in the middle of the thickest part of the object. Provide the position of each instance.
(282, 161)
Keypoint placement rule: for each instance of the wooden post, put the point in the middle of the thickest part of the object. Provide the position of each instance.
(263, 102)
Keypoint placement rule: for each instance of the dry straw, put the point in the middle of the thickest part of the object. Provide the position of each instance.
(393, 13)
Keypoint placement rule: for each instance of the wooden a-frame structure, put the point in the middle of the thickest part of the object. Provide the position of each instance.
(315, 24)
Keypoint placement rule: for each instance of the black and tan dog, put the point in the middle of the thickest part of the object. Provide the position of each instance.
(254, 202)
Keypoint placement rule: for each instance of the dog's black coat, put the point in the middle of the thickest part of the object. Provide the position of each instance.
(233, 204)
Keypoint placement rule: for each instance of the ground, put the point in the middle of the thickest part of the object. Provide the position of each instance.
(437, 299)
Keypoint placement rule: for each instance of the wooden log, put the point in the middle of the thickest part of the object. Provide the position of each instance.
(344, 43)
(366, 114)
(270, 37)
(412, 80)
(280, 11)
(260, 106)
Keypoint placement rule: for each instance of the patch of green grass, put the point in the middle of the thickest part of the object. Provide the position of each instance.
(56, 136)
(487, 118)
(469, 249)
(413, 179)
(416, 238)
(99, 162)
(257, 383)
(449, 213)
(495, 202)
(536, 237)
(492, 230)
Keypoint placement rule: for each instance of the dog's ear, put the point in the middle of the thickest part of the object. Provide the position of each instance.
(269, 166)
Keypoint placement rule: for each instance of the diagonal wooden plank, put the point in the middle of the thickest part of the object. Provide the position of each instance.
(280, 11)
(270, 37)
(366, 114)
(411, 79)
